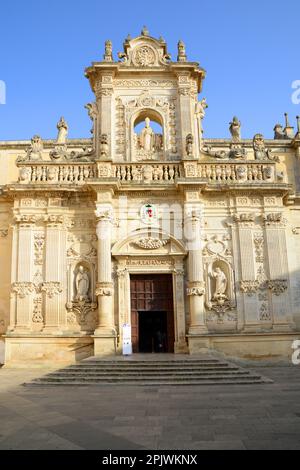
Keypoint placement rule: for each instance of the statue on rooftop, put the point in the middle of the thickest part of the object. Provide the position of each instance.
(63, 128)
(34, 152)
(260, 150)
(235, 129)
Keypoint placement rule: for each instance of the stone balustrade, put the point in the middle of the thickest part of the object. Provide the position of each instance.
(56, 173)
(236, 172)
(168, 172)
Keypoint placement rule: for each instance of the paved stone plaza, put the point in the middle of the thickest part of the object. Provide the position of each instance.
(122, 417)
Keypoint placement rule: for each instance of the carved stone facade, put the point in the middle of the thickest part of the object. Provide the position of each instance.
(148, 194)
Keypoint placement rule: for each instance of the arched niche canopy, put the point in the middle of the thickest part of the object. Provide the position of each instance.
(148, 141)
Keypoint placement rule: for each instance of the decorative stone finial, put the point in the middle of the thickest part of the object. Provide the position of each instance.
(287, 124)
(108, 56)
(145, 31)
(288, 130)
(63, 128)
(128, 38)
(181, 52)
(298, 124)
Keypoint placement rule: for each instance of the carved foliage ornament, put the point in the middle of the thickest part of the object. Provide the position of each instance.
(51, 289)
(278, 286)
(245, 218)
(37, 316)
(150, 243)
(22, 289)
(249, 287)
(39, 243)
(197, 291)
(81, 309)
(104, 290)
(144, 56)
(275, 218)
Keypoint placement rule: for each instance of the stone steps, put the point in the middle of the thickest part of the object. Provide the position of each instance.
(149, 369)
(150, 372)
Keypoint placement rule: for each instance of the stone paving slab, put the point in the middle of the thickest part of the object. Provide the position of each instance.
(257, 416)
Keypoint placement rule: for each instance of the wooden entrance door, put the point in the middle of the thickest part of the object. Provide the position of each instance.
(152, 294)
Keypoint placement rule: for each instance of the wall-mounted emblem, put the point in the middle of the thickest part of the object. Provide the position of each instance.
(149, 214)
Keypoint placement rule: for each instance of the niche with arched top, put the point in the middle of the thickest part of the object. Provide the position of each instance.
(219, 280)
(148, 140)
(82, 282)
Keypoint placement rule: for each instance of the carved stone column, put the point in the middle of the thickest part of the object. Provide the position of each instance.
(278, 282)
(180, 323)
(22, 267)
(104, 92)
(244, 224)
(185, 100)
(105, 333)
(52, 286)
(195, 290)
(123, 295)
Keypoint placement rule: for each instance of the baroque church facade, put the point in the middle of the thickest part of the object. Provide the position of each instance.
(190, 242)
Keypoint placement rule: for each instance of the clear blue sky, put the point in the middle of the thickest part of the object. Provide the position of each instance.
(250, 50)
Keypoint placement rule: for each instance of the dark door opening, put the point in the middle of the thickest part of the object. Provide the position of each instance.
(153, 332)
(152, 313)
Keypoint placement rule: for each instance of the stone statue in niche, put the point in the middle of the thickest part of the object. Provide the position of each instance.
(235, 129)
(147, 137)
(82, 285)
(189, 145)
(220, 284)
(147, 143)
(63, 128)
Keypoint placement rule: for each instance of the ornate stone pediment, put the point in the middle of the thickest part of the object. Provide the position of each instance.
(142, 241)
(144, 51)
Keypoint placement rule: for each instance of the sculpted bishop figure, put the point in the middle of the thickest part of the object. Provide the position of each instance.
(147, 137)
(148, 144)
(82, 284)
(220, 283)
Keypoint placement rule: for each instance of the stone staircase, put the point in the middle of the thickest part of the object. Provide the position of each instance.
(154, 371)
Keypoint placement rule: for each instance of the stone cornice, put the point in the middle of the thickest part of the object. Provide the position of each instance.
(47, 144)
(118, 69)
(82, 142)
